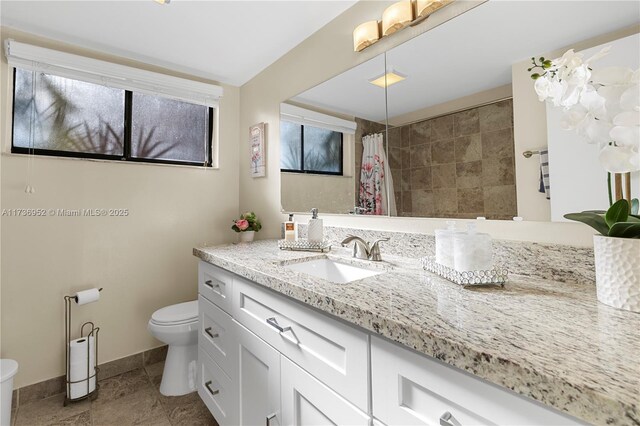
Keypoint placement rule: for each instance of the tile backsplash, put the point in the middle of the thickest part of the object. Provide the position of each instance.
(548, 261)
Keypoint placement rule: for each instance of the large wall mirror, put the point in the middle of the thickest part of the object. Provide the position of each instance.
(437, 126)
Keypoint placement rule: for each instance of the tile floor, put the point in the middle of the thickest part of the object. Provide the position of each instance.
(131, 398)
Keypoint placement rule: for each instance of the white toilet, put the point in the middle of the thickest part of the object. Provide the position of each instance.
(177, 326)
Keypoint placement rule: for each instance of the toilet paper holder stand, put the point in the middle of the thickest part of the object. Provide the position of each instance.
(87, 330)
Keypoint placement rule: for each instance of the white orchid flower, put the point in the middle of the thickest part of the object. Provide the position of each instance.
(602, 53)
(612, 75)
(620, 159)
(630, 98)
(625, 135)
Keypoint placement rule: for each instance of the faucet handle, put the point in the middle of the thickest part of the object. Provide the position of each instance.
(374, 253)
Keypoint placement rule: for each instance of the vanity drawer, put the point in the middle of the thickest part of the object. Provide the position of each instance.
(334, 353)
(215, 284)
(217, 391)
(411, 389)
(216, 336)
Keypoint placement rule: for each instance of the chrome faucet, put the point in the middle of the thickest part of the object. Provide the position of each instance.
(364, 250)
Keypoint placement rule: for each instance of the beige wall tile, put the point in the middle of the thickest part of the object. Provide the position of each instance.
(445, 201)
(466, 122)
(442, 128)
(420, 133)
(469, 175)
(443, 152)
(471, 200)
(422, 202)
(468, 148)
(497, 144)
(420, 156)
(496, 116)
(443, 176)
(500, 200)
(421, 178)
(407, 205)
(405, 179)
(498, 171)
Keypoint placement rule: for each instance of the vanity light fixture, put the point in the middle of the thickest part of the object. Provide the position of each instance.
(388, 79)
(162, 1)
(395, 18)
(365, 35)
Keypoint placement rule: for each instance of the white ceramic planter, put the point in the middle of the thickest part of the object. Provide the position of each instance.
(246, 236)
(618, 271)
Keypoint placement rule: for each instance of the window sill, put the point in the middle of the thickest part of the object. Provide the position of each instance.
(99, 160)
(317, 175)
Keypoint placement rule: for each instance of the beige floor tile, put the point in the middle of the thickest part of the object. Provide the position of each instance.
(49, 411)
(141, 407)
(187, 410)
(122, 385)
(82, 419)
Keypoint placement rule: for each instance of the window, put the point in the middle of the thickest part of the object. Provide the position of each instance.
(308, 149)
(61, 116)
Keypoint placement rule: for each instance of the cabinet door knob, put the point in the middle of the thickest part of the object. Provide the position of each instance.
(211, 391)
(447, 419)
(208, 331)
(269, 418)
(274, 323)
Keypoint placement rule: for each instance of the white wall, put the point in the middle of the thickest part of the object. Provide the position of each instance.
(143, 261)
(323, 55)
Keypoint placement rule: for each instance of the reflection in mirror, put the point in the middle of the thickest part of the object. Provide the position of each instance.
(451, 118)
(461, 113)
(333, 145)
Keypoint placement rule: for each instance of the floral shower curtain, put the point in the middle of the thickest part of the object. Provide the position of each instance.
(374, 178)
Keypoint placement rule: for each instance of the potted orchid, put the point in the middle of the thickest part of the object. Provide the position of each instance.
(603, 106)
(247, 226)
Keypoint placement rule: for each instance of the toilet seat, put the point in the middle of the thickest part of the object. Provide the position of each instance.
(181, 313)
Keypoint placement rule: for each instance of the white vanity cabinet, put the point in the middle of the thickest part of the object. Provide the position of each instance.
(265, 359)
(412, 389)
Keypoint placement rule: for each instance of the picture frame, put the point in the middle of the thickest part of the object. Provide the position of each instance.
(257, 157)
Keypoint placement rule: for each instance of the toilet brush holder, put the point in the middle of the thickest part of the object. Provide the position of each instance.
(81, 358)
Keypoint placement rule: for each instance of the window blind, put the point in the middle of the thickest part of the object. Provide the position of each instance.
(307, 117)
(95, 71)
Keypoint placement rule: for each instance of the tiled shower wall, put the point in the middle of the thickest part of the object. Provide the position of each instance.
(459, 165)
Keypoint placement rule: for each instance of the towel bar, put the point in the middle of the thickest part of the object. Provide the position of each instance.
(528, 154)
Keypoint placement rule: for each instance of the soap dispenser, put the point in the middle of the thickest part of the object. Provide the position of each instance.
(472, 250)
(290, 229)
(315, 229)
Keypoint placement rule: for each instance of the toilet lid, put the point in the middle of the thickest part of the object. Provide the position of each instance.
(176, 314)
(8, 369)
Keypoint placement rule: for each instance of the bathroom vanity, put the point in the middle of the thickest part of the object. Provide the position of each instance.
(278, 346)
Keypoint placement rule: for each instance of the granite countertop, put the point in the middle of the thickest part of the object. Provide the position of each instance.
(547, 340)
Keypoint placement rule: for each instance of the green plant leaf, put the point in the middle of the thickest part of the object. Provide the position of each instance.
(594, 220)
(618, 212)
(625, 230)
(635, 206)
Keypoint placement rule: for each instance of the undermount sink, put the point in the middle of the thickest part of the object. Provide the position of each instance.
(330, 270)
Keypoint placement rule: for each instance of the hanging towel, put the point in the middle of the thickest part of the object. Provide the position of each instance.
(545, 186)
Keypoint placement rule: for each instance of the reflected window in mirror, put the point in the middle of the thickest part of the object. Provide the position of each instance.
(309, 149)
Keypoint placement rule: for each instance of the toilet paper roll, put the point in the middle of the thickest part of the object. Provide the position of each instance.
(87, 296)
(79, 360)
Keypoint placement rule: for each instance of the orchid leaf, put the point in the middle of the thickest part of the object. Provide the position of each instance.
(618, 212)
(594, 220)
(625, 230)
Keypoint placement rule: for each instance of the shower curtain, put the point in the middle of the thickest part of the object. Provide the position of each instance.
(375, 178)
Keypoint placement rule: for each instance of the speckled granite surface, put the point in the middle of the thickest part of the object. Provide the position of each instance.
(549, 261)
(548, 341)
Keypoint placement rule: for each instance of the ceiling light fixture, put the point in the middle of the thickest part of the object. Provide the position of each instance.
(388, 79)
(162, 1)
(395, 18)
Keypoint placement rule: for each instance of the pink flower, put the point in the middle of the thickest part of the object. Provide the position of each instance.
(242, 224)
